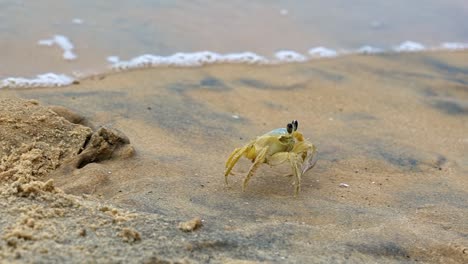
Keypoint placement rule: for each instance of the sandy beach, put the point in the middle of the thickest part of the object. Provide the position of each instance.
(106, 169)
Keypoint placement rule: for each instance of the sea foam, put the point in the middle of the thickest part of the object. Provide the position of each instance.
(41, 80)
(454, 46)
(207, 57)
(64, 43)
(189, 60)
(409, 46)
(201, 58)
(289, 56)
(283, 56)
(322, 52)
(113, 59)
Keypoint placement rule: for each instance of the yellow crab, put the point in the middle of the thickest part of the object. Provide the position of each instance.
(274, 148)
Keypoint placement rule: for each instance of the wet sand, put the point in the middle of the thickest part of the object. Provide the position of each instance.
(393, 127)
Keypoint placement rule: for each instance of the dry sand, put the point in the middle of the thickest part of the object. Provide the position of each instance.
(392, 127)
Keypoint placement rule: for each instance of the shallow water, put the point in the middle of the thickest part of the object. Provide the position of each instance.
(128, 29)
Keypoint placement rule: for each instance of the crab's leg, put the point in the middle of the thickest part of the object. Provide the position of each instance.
(279, 158)
(257, 162)
(228, 161)
(294, 161)
(234, 157)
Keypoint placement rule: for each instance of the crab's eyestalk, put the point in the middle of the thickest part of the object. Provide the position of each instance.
(295, 125)
(289, 127)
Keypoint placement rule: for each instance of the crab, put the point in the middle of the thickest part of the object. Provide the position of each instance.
(274, 148)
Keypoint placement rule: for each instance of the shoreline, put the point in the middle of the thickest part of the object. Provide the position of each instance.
(202, 59)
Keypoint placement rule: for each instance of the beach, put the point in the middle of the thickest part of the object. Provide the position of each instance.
(117, 120)
(389, 186)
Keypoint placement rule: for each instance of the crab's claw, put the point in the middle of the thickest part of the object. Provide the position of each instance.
(298, 136)
(310, 159)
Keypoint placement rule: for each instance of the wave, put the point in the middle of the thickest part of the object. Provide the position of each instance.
(196, 59)
(41, 80)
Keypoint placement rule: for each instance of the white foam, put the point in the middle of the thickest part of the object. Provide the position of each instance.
(284, 56)
(64, 43)
(77, 21)
(113, 59)
(290, 56)
(194, 59)
(369, 50)
(322, 52)
(41, 80)
(189, 60)
(69, 55)
(454, 46)
(244, 57)
(409, 46)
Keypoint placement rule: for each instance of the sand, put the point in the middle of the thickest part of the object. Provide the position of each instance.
(390, 184)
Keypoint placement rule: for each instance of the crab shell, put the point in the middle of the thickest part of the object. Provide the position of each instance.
(274, 148)
(309, 159)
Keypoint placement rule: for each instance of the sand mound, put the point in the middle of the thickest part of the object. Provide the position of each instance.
(34, 141)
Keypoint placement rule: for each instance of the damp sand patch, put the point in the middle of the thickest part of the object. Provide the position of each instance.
(41, 223)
